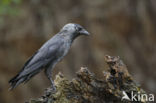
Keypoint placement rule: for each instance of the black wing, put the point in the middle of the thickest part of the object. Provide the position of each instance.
(35, 64)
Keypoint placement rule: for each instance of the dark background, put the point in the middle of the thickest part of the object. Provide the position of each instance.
(125, 28)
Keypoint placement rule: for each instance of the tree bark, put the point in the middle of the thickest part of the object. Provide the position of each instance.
(87, 88)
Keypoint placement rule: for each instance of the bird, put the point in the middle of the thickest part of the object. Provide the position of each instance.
(50, 53)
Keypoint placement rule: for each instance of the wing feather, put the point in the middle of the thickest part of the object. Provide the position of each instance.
(45, 55)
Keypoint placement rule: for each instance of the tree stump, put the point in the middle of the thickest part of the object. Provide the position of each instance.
(87, 88)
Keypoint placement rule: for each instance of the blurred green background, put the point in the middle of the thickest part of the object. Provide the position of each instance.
(125, 28)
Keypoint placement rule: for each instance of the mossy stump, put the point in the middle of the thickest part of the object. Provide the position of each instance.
(87, 88)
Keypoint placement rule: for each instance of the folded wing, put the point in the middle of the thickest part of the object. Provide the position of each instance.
(35, 64)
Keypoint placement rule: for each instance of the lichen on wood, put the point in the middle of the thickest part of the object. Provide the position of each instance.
(87, 88)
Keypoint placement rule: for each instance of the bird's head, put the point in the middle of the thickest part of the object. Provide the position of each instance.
(74, 30)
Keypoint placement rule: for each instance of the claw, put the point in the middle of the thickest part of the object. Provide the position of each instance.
(53, 88)
(50, 91)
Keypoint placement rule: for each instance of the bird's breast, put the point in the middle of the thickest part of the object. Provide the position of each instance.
(63, 50)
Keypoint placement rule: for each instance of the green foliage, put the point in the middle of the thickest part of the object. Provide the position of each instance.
(9, 7)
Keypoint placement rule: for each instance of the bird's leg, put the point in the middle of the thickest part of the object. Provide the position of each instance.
(52, 84)
(48, 74)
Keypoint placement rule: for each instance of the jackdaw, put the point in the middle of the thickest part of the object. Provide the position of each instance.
(49, 54)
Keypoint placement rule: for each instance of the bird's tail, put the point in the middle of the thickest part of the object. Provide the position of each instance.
(18, 79)
(15, 81)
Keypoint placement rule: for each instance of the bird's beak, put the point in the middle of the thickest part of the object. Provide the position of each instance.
(84, 32)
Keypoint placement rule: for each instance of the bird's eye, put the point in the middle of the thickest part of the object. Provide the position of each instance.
(79, 29)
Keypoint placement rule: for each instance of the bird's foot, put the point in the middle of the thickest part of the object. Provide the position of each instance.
(50, 90)
(53, 88)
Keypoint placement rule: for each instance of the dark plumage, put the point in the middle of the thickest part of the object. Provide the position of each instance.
(49, 54)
